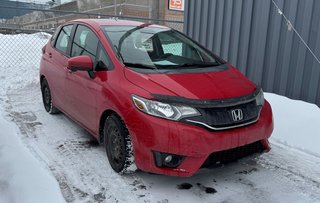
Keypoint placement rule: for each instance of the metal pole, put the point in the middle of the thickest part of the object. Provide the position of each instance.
(115, 7)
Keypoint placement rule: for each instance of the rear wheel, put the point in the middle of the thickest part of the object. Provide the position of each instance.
(118, 145)
(46, 98)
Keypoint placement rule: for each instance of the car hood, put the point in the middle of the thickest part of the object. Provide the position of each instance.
(220, 84)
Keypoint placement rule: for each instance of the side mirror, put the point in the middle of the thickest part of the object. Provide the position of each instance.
(80, 63)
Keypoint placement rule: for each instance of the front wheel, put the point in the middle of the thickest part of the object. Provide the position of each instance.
(118, 145)
(46, 98)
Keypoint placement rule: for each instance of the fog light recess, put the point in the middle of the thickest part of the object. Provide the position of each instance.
(167, 160)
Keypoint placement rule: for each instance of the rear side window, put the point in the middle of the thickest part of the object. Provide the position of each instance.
(85, 43)
(63, 39)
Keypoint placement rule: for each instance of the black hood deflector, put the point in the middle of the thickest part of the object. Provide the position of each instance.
(213, 103)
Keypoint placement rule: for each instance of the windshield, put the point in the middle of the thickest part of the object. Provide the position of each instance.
(153, 47)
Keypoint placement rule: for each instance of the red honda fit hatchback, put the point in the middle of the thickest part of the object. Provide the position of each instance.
(152, 96)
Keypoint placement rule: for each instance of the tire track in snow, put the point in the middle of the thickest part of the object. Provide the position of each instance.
(78, 163)
(284, 162)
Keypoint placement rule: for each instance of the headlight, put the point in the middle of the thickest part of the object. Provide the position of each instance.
(163, 110)
(260, 98)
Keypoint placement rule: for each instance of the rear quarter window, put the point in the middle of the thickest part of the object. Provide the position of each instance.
(54, 36)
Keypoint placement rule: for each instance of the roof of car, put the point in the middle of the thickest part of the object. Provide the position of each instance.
(101, 22)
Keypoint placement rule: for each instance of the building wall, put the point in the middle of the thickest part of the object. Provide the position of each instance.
(167, 14)
(69, 6)
(143, 9)
(6, 13)
(88, 4)
(254, 37)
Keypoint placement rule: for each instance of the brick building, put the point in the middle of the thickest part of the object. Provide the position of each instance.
(144, 9)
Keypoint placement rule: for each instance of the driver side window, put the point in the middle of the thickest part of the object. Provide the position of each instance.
(85, 43)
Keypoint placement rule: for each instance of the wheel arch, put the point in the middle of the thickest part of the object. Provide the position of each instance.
(103, 118)
(41, 78)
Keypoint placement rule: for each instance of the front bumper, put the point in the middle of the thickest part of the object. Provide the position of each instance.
(195, 143)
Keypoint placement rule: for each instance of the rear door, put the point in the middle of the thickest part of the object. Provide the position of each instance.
(58, 60)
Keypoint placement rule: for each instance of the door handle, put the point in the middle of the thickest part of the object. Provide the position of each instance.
(68, 69)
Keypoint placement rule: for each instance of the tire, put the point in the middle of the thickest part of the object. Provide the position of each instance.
(118, 145)
(46, 98)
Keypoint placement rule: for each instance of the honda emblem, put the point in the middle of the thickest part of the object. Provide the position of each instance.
(237, 114)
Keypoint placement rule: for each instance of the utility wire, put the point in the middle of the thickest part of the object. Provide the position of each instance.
(291, 27)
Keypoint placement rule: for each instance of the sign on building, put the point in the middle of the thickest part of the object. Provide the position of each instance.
(176, 5)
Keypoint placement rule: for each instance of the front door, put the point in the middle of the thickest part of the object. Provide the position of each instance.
(81, 87)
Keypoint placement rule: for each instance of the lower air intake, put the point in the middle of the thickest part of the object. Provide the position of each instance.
(231, 155)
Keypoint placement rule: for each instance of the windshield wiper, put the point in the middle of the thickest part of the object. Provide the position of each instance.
(129, 32)
(197, 64)
(118, 53)
(139, 65)
(191, 65)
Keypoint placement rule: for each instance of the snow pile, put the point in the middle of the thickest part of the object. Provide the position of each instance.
(297, 123)
(22, 178)
(19, 59)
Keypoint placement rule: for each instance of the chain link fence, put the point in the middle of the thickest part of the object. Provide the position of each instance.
(21, 49)
(22, 53)
(21, 38)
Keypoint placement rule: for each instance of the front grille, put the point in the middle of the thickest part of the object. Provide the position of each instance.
(227, 156)
(221, 118)
(216, 114)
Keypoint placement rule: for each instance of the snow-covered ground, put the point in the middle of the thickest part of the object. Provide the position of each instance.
(22, 177)
(36, 146)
